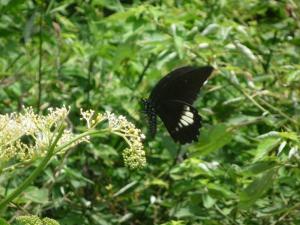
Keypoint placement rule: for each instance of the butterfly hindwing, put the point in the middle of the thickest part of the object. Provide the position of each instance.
(181, 120)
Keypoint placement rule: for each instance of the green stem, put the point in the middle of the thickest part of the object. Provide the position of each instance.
(80, 136)
(34, 174)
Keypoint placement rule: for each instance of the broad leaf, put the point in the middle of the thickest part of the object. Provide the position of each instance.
(212, 140)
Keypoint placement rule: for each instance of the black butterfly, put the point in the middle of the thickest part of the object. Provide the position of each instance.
(172, 99)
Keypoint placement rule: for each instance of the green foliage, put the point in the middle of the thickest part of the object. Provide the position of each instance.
(212, 139)
(106, 55)
(3, 222)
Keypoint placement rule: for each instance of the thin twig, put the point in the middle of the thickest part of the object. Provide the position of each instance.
(146, 67)
(266, 65)
(275, 109)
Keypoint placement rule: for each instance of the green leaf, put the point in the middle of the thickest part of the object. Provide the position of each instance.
(219, 191)
(265, 147)
(212, 140)
(259, 167)
(158, 182)
(184, 212)
(36, 195)
(208, 201)
(178, 41)
(289, 135)
(73, 173)
(257, 188)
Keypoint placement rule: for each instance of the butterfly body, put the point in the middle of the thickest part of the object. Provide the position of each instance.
(172, 99)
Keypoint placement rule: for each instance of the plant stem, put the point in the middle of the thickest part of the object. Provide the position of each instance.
(80, 136)
(275, 109)
(34, 174)
(146, 67)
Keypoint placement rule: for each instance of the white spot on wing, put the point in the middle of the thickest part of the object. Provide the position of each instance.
(187, 108)
(187, 119)
(180, 125)
(185, 123)
(189, 114)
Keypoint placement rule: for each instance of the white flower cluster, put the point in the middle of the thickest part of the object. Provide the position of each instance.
(27, 135)
(134, 156)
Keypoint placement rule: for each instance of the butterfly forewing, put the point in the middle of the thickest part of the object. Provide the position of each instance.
(181, 84)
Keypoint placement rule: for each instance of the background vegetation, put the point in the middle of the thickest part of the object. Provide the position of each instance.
(106, 55)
